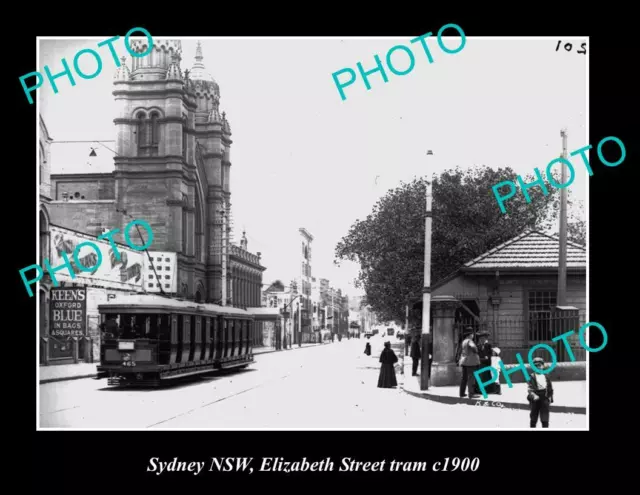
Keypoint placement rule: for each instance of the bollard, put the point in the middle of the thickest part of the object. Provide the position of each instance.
(75, 349)
(45, 351)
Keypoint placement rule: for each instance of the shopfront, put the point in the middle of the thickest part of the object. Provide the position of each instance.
(69, 317)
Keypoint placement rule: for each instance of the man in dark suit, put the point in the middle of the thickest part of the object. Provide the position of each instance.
(416, 354)
(470, 362)
(540, 394)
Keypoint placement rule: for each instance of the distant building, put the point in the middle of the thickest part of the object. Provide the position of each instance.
(246, 276)
(305, 287)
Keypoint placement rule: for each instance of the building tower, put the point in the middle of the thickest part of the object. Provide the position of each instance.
(305, 280)
(213, 135)
(171, 166)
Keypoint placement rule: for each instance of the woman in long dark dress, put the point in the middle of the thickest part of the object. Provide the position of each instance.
(388, 358)
(367, 349)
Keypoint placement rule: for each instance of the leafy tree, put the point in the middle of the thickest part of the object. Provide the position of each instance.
(276, 286)
(467, 222)
(576, 224)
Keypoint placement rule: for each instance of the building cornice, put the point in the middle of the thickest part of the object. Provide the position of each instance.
(157, 94)
(83, 176)
(213, 154)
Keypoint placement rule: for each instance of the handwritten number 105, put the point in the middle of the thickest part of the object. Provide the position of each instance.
(568, 47)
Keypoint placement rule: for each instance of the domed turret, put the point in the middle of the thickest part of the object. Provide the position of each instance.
(199, 74)
(154, 66)
(206, 90)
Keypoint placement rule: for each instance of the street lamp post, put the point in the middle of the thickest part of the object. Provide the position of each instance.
(426, 290)
(284, 310)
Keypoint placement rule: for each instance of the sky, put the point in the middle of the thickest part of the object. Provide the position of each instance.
(302, 157)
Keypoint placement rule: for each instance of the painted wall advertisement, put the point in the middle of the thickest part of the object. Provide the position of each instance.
(68, 312)
(68, 319)
(123, 273)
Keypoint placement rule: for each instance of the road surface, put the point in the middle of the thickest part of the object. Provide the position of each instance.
(331, 386)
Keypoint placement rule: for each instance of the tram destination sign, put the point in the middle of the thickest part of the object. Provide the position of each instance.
(68, 312)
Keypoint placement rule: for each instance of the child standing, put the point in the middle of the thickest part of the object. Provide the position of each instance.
(540, 394)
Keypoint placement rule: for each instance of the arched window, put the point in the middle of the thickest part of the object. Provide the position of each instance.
(154, 128)
(142, 129)
(44, 238)
(42, 161)
(44, 314)
(185, 224)
(199, 231)
(200, 295)
(148, 131)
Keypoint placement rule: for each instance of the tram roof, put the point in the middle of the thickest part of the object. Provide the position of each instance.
(154, 301)
(264, 311)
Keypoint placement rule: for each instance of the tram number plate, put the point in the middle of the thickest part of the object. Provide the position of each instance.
(129, 364)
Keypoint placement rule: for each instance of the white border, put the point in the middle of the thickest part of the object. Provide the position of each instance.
(38, 428)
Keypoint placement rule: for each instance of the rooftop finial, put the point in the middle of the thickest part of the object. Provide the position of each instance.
(199, 51)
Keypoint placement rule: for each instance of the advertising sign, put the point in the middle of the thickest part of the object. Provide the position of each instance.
(125, 273)
(68, 312)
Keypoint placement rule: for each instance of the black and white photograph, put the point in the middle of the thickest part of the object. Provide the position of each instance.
(336, 233)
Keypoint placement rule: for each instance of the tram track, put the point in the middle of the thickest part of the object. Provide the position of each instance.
(219, 400)
(89, 404)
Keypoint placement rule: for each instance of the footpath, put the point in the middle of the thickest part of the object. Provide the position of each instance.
(569, 396)
(63, 372)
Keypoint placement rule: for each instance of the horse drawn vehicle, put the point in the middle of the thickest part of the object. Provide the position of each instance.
(148, 339)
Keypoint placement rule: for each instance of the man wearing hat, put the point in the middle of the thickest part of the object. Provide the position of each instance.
(540, 394)
(470, 362)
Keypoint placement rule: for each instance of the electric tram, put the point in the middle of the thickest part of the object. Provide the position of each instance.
(149, 339)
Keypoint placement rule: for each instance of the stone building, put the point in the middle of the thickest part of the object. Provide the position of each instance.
(246, 276)
(172, 168)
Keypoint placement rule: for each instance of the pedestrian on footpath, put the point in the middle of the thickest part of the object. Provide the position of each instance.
(495, 388)
(416, 354)
(388, 358)
(540, 394)
(367, 349)
(484, 353)
(470, 362)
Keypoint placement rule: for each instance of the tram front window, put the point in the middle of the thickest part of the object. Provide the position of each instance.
(134, 326)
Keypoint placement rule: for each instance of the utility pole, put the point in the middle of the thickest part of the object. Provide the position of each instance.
(426, 291)
(562, 261)
(124, 212)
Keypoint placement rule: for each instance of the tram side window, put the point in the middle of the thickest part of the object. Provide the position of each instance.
(146, 326)
(163, 325)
